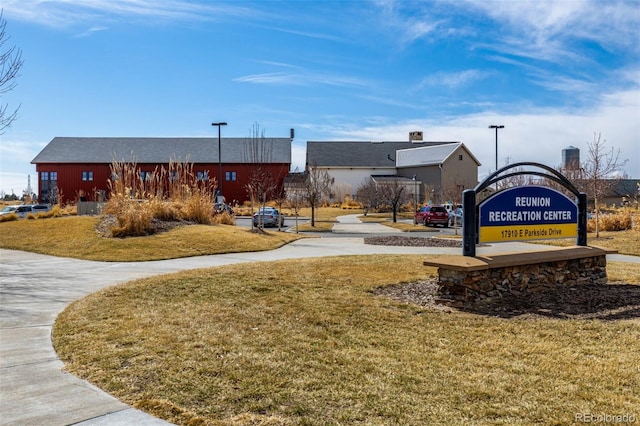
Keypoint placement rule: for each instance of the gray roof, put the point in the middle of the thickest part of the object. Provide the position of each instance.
(431, 155)
(626, 187)
(358, 153)
(161, 150)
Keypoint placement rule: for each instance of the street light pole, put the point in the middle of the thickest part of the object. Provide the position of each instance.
(222, 123)
(415, 192)
(493, 126)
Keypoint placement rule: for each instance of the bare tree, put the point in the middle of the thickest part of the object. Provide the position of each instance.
(598, 170)
(394, 191)
(369, 195)
(279, 196)
(429, 192)
(262, 184)
(10, 64)
(296, 199)
(317, 185)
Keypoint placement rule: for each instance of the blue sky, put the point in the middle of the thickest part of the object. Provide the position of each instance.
(554, 73)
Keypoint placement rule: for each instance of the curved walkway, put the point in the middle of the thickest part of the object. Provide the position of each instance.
(34, 289)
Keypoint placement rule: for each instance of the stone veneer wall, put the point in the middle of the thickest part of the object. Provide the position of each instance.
(459, 288)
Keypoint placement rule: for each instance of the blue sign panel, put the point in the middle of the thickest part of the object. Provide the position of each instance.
(527, 213)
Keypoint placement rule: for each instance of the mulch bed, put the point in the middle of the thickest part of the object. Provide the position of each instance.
(109, 221)
(413, 241)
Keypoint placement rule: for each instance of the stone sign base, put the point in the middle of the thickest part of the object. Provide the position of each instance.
(465, 280)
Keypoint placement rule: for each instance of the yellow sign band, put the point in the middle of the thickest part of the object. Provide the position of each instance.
(492, 234)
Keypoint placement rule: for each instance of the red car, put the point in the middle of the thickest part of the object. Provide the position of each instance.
(432, 215)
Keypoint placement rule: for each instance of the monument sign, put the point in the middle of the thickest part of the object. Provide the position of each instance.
(527, 213)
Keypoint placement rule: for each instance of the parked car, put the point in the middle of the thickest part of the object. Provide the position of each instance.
(432, 215)
(455, 217)
(24, 210)
(268, 216)
(8, 210)
(451, 207)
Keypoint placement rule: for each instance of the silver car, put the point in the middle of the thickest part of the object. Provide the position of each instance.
(8, 210)
(268, 216)
(24, 210)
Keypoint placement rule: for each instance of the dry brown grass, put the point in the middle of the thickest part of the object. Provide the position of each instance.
(76, 236)
(9, 217)
(625, 242)
(306, 342)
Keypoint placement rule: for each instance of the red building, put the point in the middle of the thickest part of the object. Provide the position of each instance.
(72, 167)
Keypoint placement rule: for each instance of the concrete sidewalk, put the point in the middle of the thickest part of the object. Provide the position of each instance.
(35, 288)
(350, 224)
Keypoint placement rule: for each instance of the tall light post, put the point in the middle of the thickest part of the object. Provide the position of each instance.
(222, 123)
(493, 126)
(415, 192)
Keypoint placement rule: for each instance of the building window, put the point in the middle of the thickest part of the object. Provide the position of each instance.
(203, 176)
(230, 176)
(460, 157)
(49, 187)
(87, 176)
(145, 176)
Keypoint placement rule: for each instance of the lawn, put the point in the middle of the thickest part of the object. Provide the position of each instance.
(625, 242)
(307, 342)
(76, 236)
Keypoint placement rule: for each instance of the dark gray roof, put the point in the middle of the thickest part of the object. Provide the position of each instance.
(358, 153)
(160, 150)
(626, 187)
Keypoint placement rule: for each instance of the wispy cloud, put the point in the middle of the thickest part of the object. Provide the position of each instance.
(300, 79)
(453, 80)
(92, 31)
(565, 84)
(392, 101)
(549, 30)
(278, 64)
(308, 34)
(65, 13)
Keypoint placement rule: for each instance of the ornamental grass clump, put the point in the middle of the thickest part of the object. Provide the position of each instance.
(224, 218)
(133, 220)
(198, 208)
(611, 222)
(173, 194)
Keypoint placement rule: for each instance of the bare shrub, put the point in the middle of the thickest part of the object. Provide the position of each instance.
(224, 218)
(56, 211)
(611, 222)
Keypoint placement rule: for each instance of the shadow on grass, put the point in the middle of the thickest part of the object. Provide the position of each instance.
(612, 302)
(607, 303)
